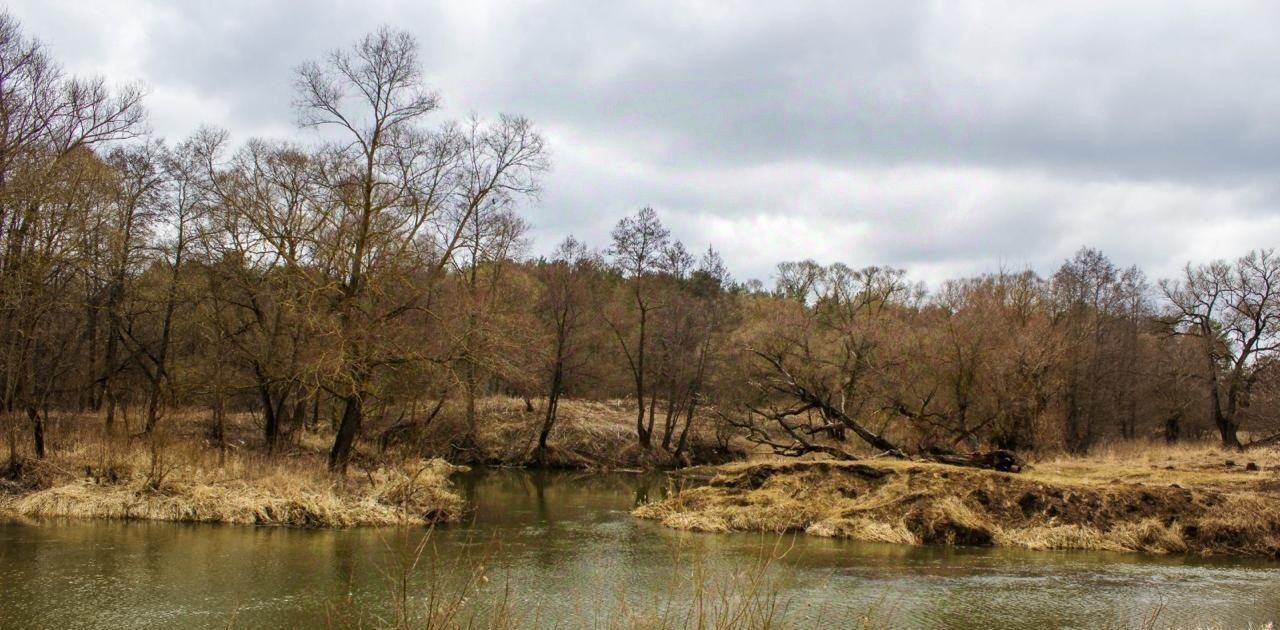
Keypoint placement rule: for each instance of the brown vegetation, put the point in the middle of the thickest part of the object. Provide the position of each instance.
(1150, 499)
(187, 480)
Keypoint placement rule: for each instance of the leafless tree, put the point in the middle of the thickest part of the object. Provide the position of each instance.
(638, 246)
(1233, 309)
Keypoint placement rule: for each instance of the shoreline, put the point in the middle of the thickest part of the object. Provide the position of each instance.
(1136, 497)
(1046, 508)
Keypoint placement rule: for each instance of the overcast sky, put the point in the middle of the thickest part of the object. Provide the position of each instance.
(949, 138)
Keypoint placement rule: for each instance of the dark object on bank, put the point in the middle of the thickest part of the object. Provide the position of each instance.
(999, 459)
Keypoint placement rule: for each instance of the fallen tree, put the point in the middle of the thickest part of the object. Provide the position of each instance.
(1272, 440)
(998, 459)
(788, 405)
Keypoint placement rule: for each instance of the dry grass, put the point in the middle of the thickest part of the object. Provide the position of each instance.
(92, 475)
(1132, 498)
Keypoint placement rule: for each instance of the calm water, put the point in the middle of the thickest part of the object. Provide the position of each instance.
(567, 549)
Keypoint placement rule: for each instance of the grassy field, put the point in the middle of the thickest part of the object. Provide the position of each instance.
(1131, 497)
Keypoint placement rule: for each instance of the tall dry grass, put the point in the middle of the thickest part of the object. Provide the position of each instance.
(172, 476)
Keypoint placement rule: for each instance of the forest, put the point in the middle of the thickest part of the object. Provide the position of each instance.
(370, 278)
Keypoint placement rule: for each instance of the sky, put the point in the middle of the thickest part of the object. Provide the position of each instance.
(947, 138)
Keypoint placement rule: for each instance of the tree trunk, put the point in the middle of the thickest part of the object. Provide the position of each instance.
(299, 416)
(270, 423)
(683, 442)
(112, 350)
(641, 434)
(1173, 428)
(219, 426)
(1001, 460)
(1225, 425)
(471, 440)
(549, 419)
(669, 426)
(644, 435)
(1228, 430)
(343, 443)
(111, 409)
(653, 406)
(153, 406)
(37, 431)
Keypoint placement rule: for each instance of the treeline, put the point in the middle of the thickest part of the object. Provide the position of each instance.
(363, 282)
(1012, 360)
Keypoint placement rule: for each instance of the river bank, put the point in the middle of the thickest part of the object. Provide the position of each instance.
(1157, 500)
(126, 479)
(1132, 497)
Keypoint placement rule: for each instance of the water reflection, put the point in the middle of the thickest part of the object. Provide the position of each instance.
(569, 551)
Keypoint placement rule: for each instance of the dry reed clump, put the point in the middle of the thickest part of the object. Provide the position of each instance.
(863, 529)
(421, 489)
(916, 503)
(183, 483)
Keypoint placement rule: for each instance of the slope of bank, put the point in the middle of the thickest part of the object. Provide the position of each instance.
(1214, 507)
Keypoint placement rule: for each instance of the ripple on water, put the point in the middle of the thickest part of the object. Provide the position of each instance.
(570, 552)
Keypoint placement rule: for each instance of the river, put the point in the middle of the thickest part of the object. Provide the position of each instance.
(567, 553)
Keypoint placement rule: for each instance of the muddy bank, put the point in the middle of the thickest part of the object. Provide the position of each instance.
(915, 503)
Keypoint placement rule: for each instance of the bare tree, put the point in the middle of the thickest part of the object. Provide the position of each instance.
(638, 246)
(264, 267)
(569, 279)
(1233, 309)
(399, 199)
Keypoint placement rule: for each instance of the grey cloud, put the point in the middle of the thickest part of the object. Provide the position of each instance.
(948, 138)
(1143, 94)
